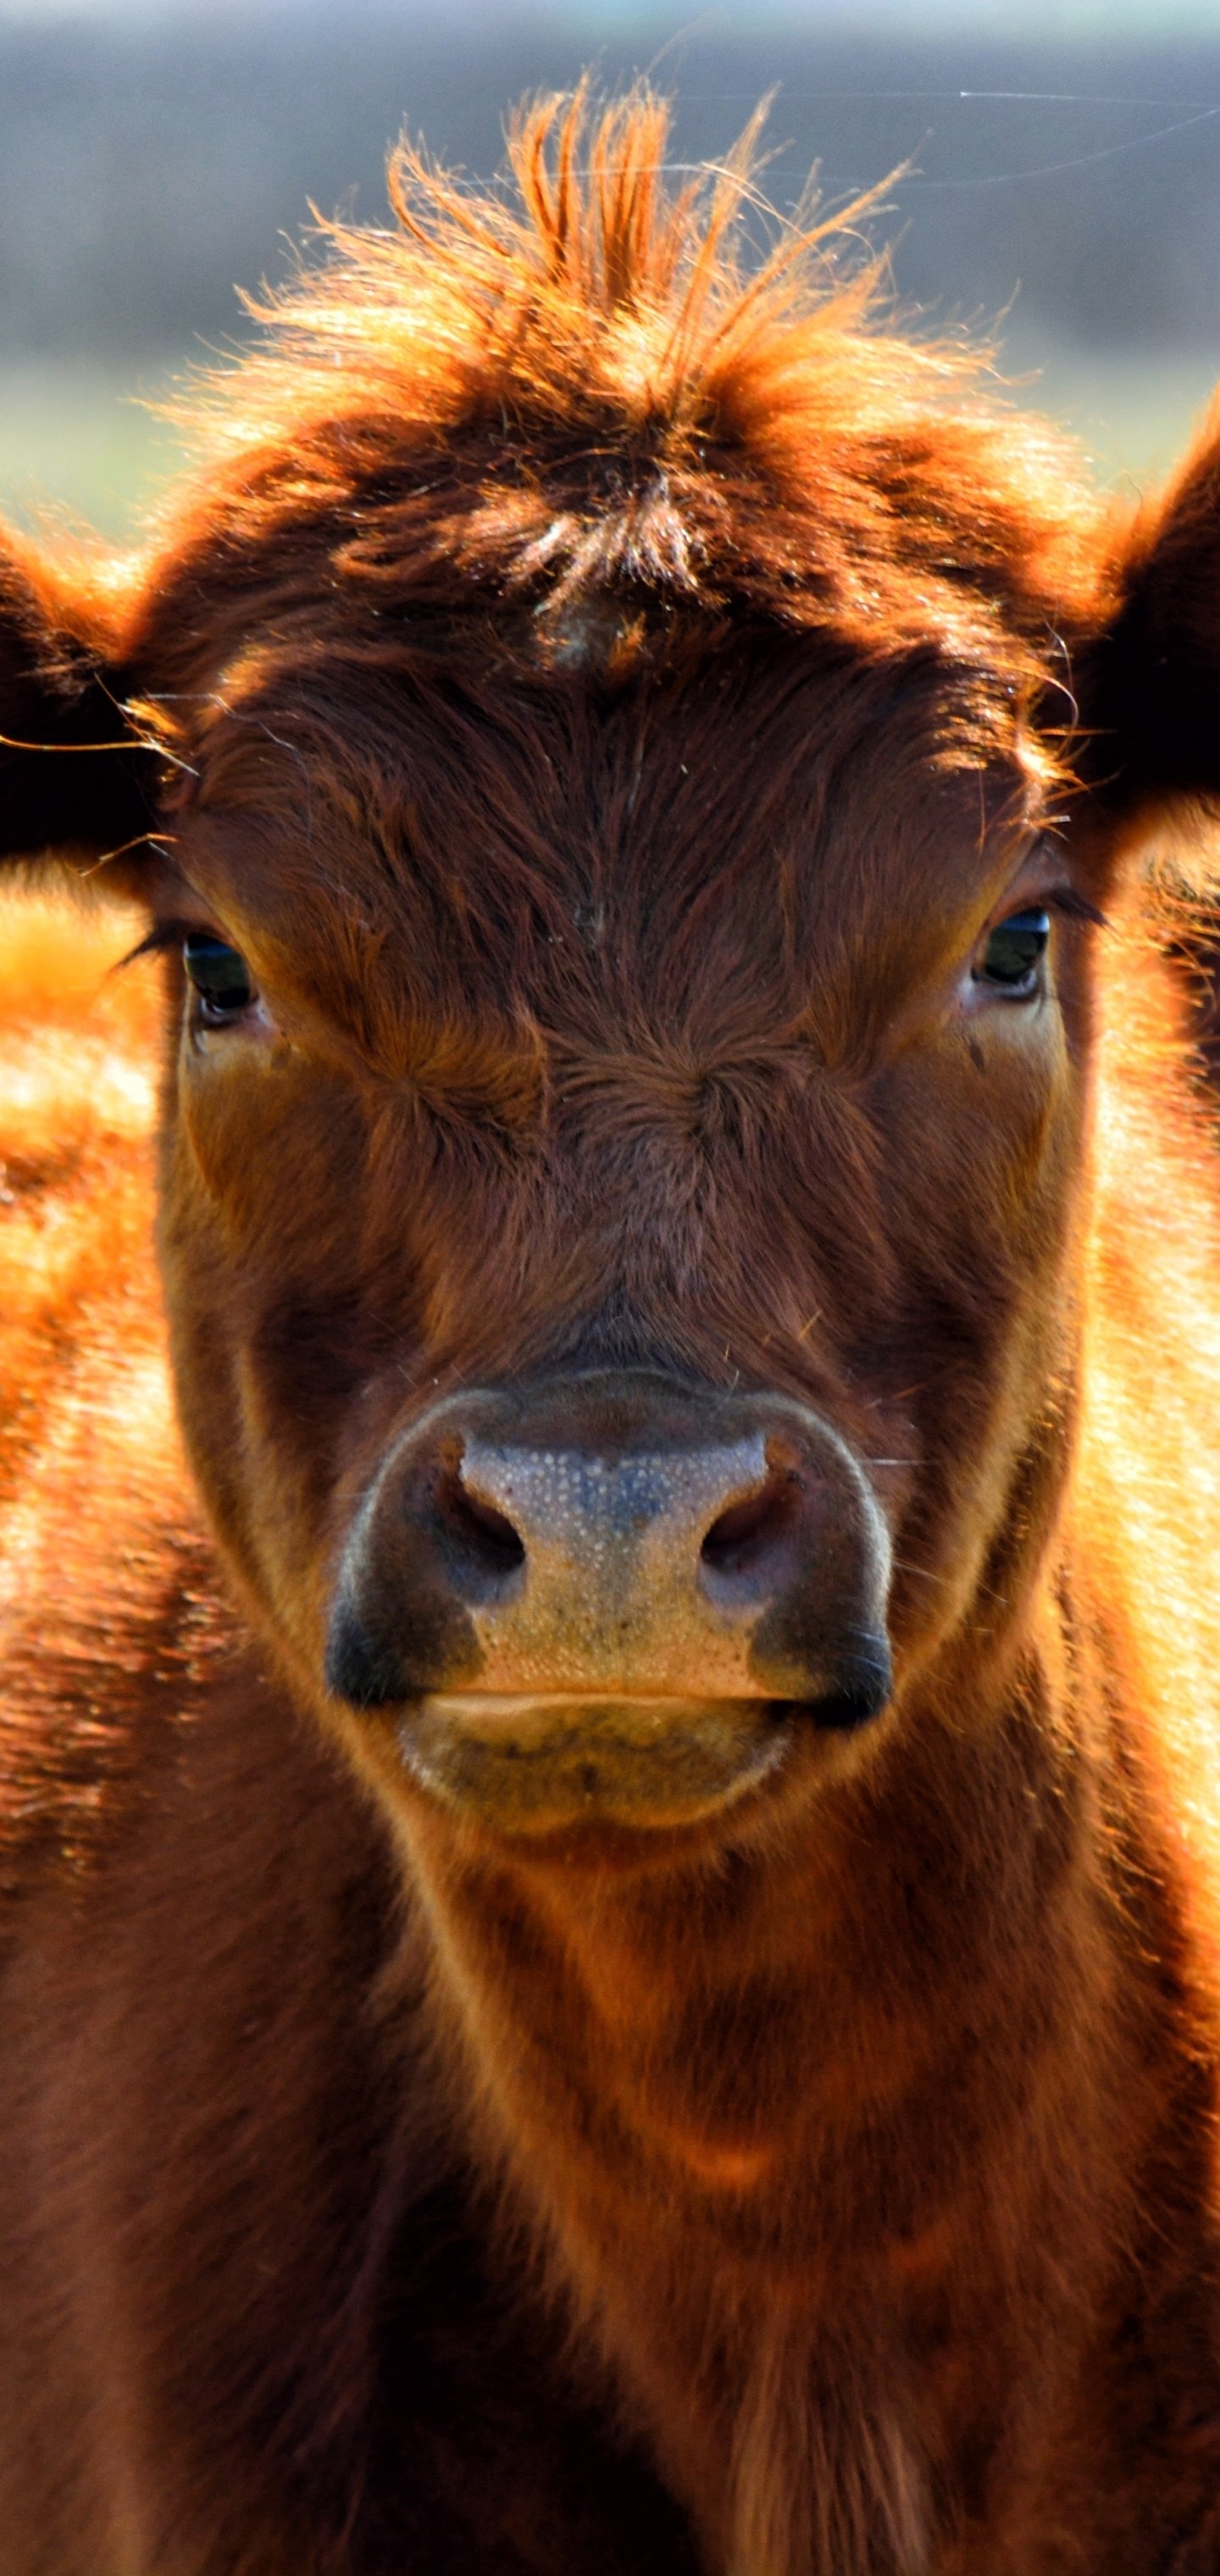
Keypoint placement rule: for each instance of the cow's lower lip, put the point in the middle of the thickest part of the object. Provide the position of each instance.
(531, 1764)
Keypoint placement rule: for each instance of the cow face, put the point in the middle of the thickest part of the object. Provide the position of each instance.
(632, 969)
(619, 1167)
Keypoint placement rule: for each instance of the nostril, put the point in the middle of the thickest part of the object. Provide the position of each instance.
(753, 1529)
(485, 1536)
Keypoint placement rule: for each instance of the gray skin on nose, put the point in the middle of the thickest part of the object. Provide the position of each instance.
(612, 1575)
(612, 1594)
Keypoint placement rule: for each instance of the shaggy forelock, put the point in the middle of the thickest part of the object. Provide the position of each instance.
(576, 412)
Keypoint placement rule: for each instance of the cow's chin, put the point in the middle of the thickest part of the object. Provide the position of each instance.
(545, 1764)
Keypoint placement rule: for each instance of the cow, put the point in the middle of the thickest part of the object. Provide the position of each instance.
(609, 1835)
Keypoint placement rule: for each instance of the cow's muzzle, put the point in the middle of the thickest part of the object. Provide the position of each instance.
(611, 1596)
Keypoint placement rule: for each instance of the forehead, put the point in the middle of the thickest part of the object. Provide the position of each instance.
(449, 822)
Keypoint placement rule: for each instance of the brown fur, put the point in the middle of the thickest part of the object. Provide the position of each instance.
(607, 695)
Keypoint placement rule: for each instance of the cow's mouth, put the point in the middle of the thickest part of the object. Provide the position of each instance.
(538, 1764)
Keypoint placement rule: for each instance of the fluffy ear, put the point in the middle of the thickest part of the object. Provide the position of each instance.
(75, 778)
(1150, 687)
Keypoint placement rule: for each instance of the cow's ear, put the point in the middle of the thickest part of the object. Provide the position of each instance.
(1149, 686)
(77, 783)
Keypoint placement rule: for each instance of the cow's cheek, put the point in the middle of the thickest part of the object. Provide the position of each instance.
(985, 1133)
(263, 1183)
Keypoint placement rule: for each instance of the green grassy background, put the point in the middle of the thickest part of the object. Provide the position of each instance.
(77, 443)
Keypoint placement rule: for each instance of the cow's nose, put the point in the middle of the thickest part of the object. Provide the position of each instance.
(650, 1568)
(615, 1539)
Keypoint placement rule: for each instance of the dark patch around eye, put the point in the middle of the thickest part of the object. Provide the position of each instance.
(1014, 952)
(219, 974)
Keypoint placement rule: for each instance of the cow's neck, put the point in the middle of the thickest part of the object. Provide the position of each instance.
(797, 2122)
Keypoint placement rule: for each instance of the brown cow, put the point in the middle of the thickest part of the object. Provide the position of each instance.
(648, 1999)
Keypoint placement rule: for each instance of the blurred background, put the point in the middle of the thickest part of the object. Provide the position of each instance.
(1064, 181)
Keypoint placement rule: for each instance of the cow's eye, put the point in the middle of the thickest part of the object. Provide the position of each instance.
(1013, 953)
(220, 976)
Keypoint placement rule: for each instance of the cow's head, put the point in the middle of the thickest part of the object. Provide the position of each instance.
(633, 762)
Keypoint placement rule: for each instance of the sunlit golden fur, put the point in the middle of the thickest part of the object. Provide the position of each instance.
(607, 692)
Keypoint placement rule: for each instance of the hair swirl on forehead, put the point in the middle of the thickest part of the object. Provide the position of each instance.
(592, 384)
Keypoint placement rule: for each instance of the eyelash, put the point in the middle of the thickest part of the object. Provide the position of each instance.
(165, 939)
(1076, 907)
